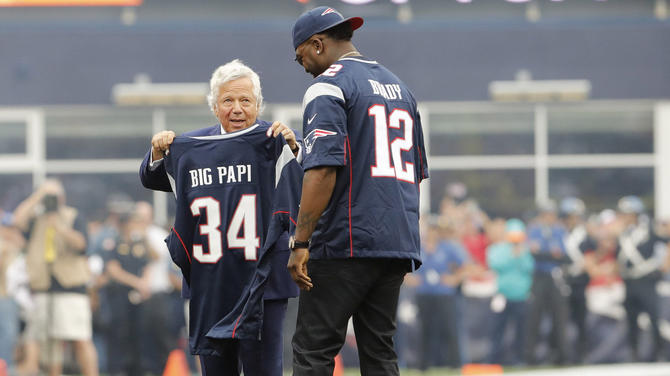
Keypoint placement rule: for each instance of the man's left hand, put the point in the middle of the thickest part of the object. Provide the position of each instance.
(297, 266)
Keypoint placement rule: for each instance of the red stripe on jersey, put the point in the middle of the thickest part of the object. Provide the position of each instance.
(182, 244)
(351, 241)
(235, 327)
(285, 212)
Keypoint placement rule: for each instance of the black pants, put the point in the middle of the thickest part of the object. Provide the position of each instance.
(577, 304)
(160, 340)
(441, 344)
(641, 296)
(546, 298)
(124, 348)
(366, 289)
(515, 311)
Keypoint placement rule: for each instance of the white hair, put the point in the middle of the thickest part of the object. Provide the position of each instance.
(229, 72)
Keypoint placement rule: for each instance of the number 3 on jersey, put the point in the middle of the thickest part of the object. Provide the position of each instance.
(383, 168)
(245, 215)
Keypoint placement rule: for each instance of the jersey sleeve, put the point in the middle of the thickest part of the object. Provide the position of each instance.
(422, 172)
(179, 240)
(324, 125)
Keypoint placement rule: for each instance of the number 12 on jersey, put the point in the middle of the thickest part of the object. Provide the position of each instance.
(385, 150)
(243, 220)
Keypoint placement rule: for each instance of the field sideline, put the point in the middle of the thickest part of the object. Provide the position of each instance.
(627, 369)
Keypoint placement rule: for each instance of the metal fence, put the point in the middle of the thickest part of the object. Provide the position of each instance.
(509, 155)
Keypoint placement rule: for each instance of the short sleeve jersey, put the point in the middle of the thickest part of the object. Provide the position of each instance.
(133, 257)
(226, 188)
(360, 117)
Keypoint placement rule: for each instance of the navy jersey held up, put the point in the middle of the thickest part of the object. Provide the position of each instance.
(226, 188)
(359, 116)
(245, 320)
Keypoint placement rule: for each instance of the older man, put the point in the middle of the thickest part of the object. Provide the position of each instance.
(235, 99)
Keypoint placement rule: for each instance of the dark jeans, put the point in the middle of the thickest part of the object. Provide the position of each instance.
(9, 330)
(366, 289)
(514, 312)
(442, 342)
(160, 339)
(546, 299)
(577, 304)
(641, 296)
(124, 348)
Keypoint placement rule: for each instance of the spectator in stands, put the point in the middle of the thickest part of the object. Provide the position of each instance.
(439, 300)
(600, 262)
(473, 236)
(58, 272)
(128, 290)
(101, 243)
(549, 290)
(11, 243)
(457, 208)
(641, 256)
(577, 242)
(157, 313)
(512, 262)
(496, 231)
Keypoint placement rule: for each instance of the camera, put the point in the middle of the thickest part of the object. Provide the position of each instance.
(50, 203)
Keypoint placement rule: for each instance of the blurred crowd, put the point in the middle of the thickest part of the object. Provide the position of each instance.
(86, 297)
(103, 296)
(536, 291)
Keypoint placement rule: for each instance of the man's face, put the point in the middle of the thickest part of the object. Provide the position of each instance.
(306, 56)
(548, 217)
(236, 106)
(573, 220)
(628, 218)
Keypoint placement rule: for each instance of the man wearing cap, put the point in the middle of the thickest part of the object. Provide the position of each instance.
(640, 256)
(549, 291)
(358, 223)
(577, 242)
(513, 264)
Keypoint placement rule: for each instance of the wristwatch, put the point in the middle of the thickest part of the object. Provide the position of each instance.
(293, 244)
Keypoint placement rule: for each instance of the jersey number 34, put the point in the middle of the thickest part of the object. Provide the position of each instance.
(243, 220)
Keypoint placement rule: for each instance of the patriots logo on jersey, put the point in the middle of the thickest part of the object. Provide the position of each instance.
(330, 10)
(313, 135)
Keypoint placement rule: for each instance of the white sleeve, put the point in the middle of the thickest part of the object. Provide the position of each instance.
(153, 165)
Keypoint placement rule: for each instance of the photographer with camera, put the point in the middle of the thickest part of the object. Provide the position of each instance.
(58, 273)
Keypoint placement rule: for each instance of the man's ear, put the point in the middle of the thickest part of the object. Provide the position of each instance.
(318, 44)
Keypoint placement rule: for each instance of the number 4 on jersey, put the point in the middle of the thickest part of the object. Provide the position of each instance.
(383, 168)
(244, 216)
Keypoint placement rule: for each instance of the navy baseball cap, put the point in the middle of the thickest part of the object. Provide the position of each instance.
(317, 20)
